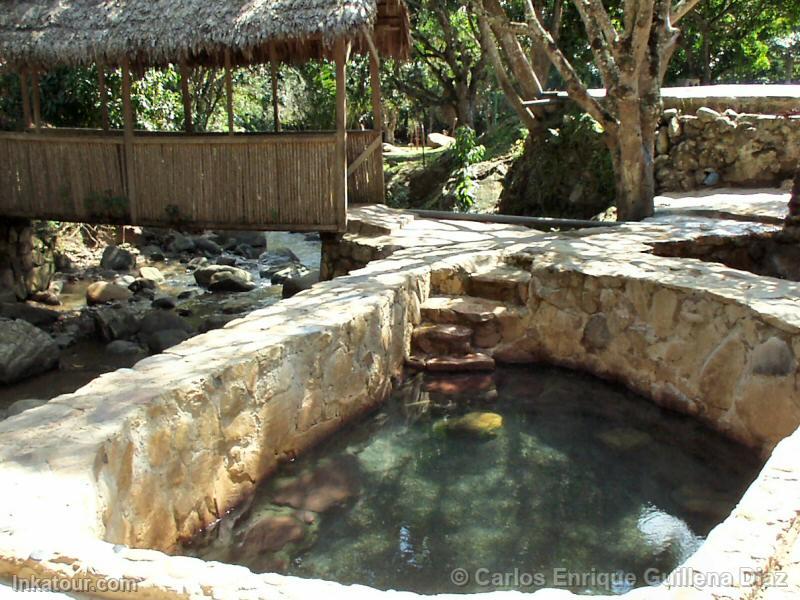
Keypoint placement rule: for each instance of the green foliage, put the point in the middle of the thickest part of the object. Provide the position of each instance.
(467, 152)
(564, 172)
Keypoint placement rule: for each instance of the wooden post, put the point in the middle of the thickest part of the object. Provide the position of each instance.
(375, 84)
(37, 101)
(129, 125)
(101, 84)
(27, 120)
(186, 72)
(275, 71)
(341, 52)
(229, 89)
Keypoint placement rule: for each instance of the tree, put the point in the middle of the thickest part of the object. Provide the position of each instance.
(448, 66)
(631, 48)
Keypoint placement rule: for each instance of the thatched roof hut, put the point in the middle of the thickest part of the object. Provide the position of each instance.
(46, 33)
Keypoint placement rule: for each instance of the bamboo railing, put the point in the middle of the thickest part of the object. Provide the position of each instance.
(265, 181)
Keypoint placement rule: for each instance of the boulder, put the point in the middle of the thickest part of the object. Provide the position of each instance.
(165, 302)
(21, 406)
(151, 274)
(197, 263)
(247, 251)
(332, 483)
(216, 322)
(162, 320)
(203, 275)
(25, 350)
(117, 259)
(294, 286)
(273, 532)
(227, 261)
(256, 239)
(181, 243)
(115, 322)
(290, 271)
(161, 340)
(100, 292)
(207, 246)
(41, 317)
(440, 140)
(48, 297)
(442, 339)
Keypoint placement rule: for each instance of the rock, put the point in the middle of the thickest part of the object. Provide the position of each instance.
(442, 339)
(478, 424)
(773, 358)
(140, 284)
(707, 115)
(25, 350)
(181, 243)
(247, 251)
(235, 280)
(460, 384)
(273, 533)
(41, 317)
(468, 362)
(115, 322)
(125, 280)
(293, 286)
(596, 335)
(440, 140)
(666, 535)
(152, 253)
(256, 239)
(203, 244)
(331, 483)
(228, 261)
(204, 274)
(186, 294)
(165, 302)
(161, 340)
(162, 320)
(46, 297)
(21, 406)
(122, 348)
(197, 263)
(117, 259)
(103, 291)
(151, 274)
(711, 178)
(216, 322)
(144, 293)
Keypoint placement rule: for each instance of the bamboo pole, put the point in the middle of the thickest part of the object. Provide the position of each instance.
(275, 71)
(27, 119)
(229, 89)
(101, 84)
(186, 72)
(341, 52)
(129, 125)
(37, 101)
(375, 84)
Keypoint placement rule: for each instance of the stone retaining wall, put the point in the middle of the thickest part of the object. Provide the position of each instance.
(708, 148)
(26, 261)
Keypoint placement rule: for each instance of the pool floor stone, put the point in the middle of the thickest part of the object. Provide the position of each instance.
(141, 457)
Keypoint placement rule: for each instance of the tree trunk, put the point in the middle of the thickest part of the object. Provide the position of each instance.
(465, 106)
(632, 153)
(706, 59)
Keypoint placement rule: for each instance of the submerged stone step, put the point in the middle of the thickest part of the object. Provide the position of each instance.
(436, 338)
(504, 283)
(475, 361)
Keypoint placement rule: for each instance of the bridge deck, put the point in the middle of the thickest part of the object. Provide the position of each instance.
(258, 181)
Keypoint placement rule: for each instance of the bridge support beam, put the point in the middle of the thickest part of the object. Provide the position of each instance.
(341, 54)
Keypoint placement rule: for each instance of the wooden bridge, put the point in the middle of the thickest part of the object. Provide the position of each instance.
(280, 180)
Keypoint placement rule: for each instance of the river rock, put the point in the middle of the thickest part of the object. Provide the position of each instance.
(203, 274)
(333, 482)
(256, 239)
(162, 320)
(21, 406)
(151, 274)
(440, 140)
(216, 322)
(291, 271)
(161, 340)
(234, 280)
(476, 424)
(207, 246)
(25, 350)
(273, 532)
(181, 243)
(48, 297)
(104, 291)
(115, 322)
(165, 302)
(123, 348)
(41, 317)
(247, 251)
(294, 286)
(227, 261)
(117, 259)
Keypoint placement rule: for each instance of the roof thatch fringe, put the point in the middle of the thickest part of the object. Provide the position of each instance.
(46, 33)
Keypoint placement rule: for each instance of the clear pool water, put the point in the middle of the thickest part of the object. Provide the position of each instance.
(572, 483)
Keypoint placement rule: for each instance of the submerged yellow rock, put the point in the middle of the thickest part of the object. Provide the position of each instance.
(480, 424)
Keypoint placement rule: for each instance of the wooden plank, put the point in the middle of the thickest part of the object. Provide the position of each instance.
(341, 52)
(274, 72)
(37, 101)
(365, 154)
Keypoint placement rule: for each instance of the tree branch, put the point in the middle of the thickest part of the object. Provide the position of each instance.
(682, 8)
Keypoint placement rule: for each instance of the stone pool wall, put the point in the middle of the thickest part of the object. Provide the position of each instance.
(710, 148)
(26, 261)
(143, 456)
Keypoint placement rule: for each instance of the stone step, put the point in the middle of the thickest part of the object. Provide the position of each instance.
(468, 362)
(437, 338)
(461, 310)
(503, 283)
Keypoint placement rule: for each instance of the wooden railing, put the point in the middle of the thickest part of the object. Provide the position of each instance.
(277, 181)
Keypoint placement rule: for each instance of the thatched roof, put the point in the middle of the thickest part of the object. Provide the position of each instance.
(46, 33)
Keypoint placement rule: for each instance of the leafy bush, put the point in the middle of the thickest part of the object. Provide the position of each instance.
(467, 152)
